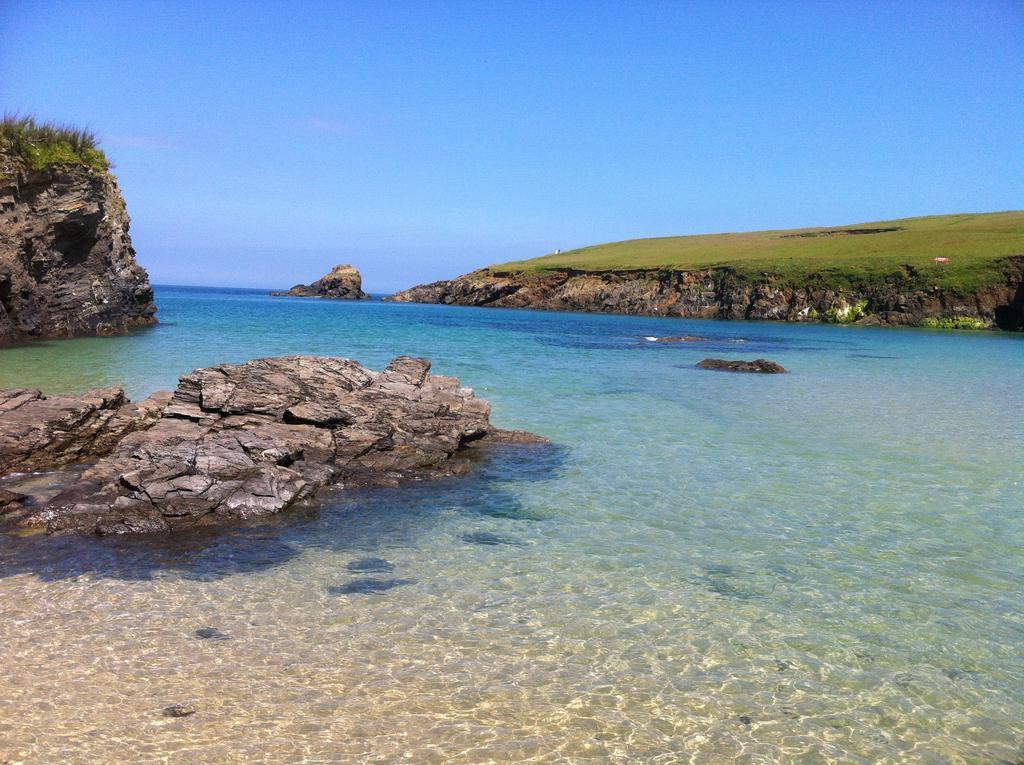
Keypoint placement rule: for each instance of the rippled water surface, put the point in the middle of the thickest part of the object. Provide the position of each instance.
(821, 566)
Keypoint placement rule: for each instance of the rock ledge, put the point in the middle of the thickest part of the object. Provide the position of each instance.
(242, 440)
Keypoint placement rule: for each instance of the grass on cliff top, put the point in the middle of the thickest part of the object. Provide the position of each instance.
(42, 144)
(976, 245)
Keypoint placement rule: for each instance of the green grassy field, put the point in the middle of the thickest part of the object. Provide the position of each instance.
(976, 245)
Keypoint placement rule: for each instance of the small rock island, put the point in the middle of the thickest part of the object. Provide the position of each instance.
(757, 366)
(344, 282)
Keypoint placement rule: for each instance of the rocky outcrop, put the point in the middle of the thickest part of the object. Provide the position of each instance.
(67, 266)
(39, 432)
(342, 283)
(759, 366)
(244, 440)
(719, 293)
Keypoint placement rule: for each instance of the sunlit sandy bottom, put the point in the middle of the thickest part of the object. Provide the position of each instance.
(819, 567)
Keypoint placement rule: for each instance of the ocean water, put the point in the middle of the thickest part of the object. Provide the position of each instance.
(824, 566)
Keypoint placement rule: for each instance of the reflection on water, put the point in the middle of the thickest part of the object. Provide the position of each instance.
(820, 566)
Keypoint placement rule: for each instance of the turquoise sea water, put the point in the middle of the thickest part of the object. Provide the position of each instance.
(824, 566)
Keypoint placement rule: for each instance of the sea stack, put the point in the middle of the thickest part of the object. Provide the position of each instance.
(67, 265)
(342, 283)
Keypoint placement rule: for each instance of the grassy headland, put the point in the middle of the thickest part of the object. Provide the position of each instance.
(42, 144)
(842, 256)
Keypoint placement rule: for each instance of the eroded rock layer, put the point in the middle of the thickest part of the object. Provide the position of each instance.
(237, 441)
(67, 266)
(719, 293)
(39, 432)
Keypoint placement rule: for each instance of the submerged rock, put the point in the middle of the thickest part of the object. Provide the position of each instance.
(243, 440)
(763, 366)
(489, 539)
(179, 710)
(371, 565)
(367, 586)
(211, 633)
(343, 283)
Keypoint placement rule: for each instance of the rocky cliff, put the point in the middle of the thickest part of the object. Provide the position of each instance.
(343, 283)
(904, 298)
(67, 266)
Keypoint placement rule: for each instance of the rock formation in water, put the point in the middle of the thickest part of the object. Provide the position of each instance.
(342, 283)
(242, 440)
(39, 432)
(67, 266)
(719, 293)
(760, 366)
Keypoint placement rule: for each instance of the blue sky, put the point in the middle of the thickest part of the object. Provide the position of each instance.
(259, 143)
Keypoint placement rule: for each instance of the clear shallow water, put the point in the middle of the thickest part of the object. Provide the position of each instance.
(821, 566)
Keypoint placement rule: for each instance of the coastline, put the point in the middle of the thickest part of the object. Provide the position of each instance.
(719, 293)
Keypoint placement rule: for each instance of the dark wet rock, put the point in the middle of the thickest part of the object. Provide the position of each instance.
(343, 283)
(368, 586)
(762, 366)
(211, 633)
(496, 506)
(728, 589)
(371, 565)
(40, 432)
(722, 579)
(487, 538)
(499, 436)
(10, 501)
(179, 710)
(958, 673)
(719, 569)
(67, 266)
(238, 441)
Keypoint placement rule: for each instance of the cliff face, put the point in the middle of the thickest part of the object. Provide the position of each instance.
(718, 293)
(344, 282)
(67, 266)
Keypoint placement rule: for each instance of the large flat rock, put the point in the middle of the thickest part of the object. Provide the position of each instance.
(39, 432)
(243, 440)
